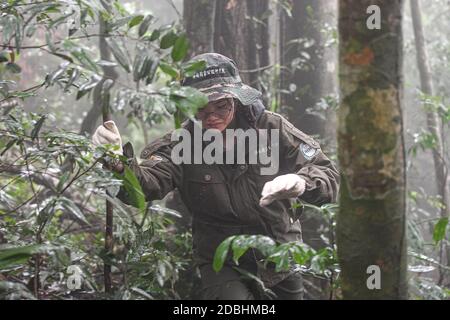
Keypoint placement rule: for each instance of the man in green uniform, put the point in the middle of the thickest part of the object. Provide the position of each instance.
(232, 198)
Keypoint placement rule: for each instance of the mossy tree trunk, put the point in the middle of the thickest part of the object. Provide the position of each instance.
(371, 218)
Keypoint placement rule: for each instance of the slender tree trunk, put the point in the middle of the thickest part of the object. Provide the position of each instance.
(371, 218)
(434, 123)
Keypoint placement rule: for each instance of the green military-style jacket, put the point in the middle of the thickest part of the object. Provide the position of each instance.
(224, 199)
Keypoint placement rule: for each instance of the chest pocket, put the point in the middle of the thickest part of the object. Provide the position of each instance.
(206, 192)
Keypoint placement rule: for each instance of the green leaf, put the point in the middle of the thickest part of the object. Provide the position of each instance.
(62, 180)
(152, 71)
(439, 230)
(188, 100)
(72, 208)
(155, 35)
(132, 188)
(81, 55)
(221, 253)
(17, 255)
(74, 74)
(49, 41)
(145, 24)
(119, 54)
(135, 21)
(120, 8)
(91, 83)
(138, 64)
(118, 23)
(180, 48)
(37, 127)
(60, 71)
(168, 69)
(8, 146)
(189, 69)
(168, 40)
(239, 247)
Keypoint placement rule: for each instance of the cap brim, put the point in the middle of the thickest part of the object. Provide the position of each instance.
(244, 93)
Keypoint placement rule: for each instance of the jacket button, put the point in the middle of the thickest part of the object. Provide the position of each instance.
(207, 177)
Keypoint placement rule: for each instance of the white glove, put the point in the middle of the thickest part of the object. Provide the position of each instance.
(282, 187)
(108, 134)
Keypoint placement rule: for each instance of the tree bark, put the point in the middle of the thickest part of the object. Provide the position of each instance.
(434, 123)
(241, 33)
(198, 17)
(90, 121)
(307, 64)
(371, 218)
(303, 85)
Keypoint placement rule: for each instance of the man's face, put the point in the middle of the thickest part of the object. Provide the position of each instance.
(217, 114)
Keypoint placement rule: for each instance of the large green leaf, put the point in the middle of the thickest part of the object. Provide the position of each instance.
(168, 69)
(239, 247)
(168, 40)
(180, 48)
(135, 21)
(221, 253)
(19, 255)
(133, 189)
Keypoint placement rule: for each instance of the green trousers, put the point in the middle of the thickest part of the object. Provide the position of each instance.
(231, 284)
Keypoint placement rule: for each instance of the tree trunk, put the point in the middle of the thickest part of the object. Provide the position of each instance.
(371, 218)
(307, 65)
(241, 33)
(304, 84)
(434, 123)
(90, 121)
(198, 16)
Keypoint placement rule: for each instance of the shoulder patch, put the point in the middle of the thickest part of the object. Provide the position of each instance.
(308, 151)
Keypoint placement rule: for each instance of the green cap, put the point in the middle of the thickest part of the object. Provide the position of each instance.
(220, 79)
